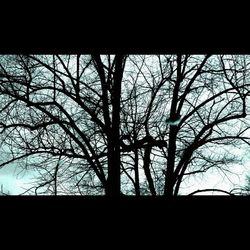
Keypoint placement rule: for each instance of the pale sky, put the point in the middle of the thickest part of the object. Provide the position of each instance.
(14, 183)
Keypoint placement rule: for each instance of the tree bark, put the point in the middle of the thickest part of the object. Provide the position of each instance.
(170, 178)
(113, 187)
(146, 167)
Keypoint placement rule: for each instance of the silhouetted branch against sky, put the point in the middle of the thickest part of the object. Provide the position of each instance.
(131, 124)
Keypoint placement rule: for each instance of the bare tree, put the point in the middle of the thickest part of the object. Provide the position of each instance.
(206, 98)
(137, 124)
(59, 111)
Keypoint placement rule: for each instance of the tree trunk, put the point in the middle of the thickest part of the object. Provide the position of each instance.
(146, 167)
(170, 178)
(137, 180)
(113, 181)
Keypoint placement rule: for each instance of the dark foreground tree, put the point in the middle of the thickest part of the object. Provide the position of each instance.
(61, 111)
(108, 124)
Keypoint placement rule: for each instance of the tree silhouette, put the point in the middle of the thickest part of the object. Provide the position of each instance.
(137, 124)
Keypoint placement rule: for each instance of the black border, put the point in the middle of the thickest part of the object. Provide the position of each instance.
(128, 217)
(50, 32)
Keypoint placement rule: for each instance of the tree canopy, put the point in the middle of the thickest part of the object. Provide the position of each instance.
(123, 124)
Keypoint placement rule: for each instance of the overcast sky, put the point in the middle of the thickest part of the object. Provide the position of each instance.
(14, 182)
